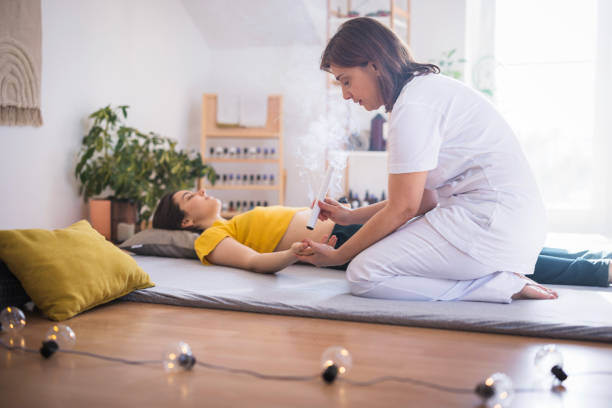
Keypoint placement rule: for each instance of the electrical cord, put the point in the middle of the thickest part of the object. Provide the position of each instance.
(373, 381)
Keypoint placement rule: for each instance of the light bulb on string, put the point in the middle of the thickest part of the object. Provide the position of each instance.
(178, 356)
(12, 319)
(335, 361)
(59, 336)
(549, 363)
(496, 391)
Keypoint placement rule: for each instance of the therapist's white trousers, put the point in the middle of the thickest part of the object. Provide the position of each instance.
(417, 263)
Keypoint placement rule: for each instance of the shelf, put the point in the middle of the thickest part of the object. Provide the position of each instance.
(272, 130)
(229, 214)
(238, 133)
(242, 187)
(224, 160)
(366, 153)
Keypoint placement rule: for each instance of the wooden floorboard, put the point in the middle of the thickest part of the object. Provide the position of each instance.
(280, 345)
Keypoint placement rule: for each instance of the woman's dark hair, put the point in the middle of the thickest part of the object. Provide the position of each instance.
(362, 40)
(168, 215)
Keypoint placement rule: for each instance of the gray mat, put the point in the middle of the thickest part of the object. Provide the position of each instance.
(579, 313)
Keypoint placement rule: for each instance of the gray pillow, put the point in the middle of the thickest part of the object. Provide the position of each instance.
(160, 242)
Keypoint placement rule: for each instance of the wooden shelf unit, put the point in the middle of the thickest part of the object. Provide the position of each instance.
(273, 130)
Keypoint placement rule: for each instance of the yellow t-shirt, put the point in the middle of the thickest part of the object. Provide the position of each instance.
(260, 229)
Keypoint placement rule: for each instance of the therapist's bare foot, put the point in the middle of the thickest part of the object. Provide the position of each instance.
(533, 290)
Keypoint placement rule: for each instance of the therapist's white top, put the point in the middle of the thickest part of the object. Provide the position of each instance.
(489, 203)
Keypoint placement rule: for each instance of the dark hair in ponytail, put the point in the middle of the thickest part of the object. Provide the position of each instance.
(362, 40)
(168, 215)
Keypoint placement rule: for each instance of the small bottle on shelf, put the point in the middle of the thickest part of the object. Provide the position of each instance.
(356, 203)
(231, 206)
(271, 179)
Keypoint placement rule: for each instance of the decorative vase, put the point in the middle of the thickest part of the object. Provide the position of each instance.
(377, 141)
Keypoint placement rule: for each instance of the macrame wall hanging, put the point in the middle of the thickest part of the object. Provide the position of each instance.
(20, 62)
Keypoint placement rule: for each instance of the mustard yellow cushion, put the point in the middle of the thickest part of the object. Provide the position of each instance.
(70, 270)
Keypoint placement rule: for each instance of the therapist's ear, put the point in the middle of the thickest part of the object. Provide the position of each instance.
(374, 67)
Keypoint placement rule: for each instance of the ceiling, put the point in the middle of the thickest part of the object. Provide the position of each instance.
(258, 23)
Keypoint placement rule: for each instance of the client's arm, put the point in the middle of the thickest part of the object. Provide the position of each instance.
(230, 252)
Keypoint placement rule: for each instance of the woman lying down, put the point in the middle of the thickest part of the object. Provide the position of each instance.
(268, 239)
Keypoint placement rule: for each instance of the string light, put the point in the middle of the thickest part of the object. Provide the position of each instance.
(549, 363)
(12, 319)
(59, 336)
(178, 357)
(335, 360)
(496, 391)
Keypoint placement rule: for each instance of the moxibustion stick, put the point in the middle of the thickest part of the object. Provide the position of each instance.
(322, 193)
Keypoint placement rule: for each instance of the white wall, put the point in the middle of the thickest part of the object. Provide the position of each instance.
(143, 53)
(437, 26)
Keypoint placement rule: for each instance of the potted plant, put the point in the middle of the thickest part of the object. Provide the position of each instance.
(137, 168)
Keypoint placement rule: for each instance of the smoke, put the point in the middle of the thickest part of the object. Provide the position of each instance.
(324, 144)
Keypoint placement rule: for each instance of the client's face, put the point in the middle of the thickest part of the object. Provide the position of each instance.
(199, 208)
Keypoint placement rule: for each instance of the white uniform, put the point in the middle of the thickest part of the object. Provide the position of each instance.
(490, 210)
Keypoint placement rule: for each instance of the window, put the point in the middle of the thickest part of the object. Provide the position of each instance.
(547, 76)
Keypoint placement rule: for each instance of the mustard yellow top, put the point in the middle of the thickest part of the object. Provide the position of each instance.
(260, 229)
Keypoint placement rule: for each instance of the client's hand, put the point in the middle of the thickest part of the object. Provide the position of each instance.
(333, 210)
(321, 254)
(301, 249)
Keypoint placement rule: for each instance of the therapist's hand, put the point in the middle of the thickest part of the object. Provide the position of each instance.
(321, 254)
(333, 210)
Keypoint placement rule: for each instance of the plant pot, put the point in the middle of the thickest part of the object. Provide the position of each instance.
(114, 218)
(100, 216)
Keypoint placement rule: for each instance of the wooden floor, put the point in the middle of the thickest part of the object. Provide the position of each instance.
(280, 345)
